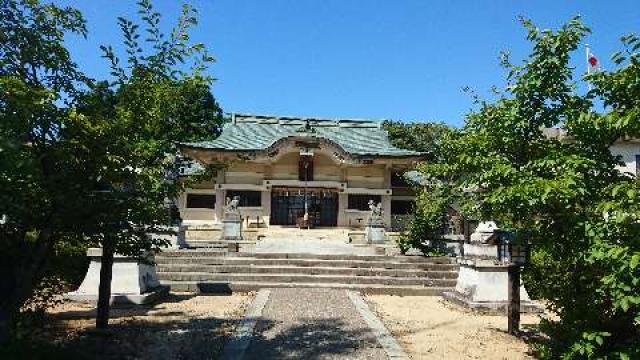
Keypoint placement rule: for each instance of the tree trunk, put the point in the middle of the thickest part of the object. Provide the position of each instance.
(22, 268)
(5, 325)
(104, 290)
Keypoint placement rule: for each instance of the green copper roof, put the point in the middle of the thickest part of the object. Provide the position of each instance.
(255, 133)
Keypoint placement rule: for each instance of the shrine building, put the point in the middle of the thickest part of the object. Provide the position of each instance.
(276, 165)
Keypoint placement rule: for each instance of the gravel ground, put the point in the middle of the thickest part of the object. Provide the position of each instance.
(180, 327)
(429, 328)
(312, 324)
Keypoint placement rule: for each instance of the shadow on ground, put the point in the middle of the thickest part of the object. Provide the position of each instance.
(134, 333)
(120, 311)
(313, 339)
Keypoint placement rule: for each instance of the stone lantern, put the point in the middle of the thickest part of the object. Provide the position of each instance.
(483, 275)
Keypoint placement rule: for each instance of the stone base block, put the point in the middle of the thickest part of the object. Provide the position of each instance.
(231, 229)
(485, 282)
(490, 307)
(482, 285)
(133, 281)
(123, 299)
(192, 233)
(374, 234)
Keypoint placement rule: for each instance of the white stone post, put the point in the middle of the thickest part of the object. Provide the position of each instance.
(133, 281)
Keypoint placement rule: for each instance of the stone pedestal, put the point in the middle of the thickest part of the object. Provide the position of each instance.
(232, 229)
(374, 233)
(483, 280)
(133, 281)
(483, 285)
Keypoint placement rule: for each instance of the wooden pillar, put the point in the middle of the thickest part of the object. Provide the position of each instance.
(386, 210)
(220, 179)
(387, 175)
(513, 307)
(266, 207)
(220, 203)
(342, 206)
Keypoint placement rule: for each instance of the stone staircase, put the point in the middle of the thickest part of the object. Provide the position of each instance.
(220, 246)
(215, 270)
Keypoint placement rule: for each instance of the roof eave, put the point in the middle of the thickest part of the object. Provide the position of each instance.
(195, 146)
(204, 147)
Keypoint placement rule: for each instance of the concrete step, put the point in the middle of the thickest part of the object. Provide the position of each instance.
(300, 256)
(188, 253)
(191, 244)
(407, 259)
(308, 270)
(246, 286)
(303, 278)
(385, 263)
(215, 243)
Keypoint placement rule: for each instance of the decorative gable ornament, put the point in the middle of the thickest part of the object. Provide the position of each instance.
(307, 128)
(305, 151)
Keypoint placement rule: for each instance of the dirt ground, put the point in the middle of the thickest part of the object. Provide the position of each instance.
(429, 328)
(178, 327)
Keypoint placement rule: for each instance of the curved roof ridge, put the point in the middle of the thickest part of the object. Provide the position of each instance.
(248, 117)
(261, 135)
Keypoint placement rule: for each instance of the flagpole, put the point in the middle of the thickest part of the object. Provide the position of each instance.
(587, 53)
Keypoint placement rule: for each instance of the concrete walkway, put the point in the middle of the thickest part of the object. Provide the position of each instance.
(311, 324)
(310, 246)
(313, 241)
(288, 232)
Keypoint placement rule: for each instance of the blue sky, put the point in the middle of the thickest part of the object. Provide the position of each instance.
(404, 59)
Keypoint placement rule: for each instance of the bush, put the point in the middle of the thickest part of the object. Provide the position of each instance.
(425, 228)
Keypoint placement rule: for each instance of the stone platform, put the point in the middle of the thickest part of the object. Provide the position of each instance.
(493, 307)
(149, 297)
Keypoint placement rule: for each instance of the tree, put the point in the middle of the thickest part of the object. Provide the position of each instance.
(581, 213)
(129, 130)
(427, 221)
(87, 161)
(41, 186)
(425, 137)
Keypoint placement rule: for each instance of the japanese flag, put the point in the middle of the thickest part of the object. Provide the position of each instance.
(593, 63)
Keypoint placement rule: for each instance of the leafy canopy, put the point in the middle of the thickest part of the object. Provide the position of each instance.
(424, 137)
(565, 189)
(85, 161)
